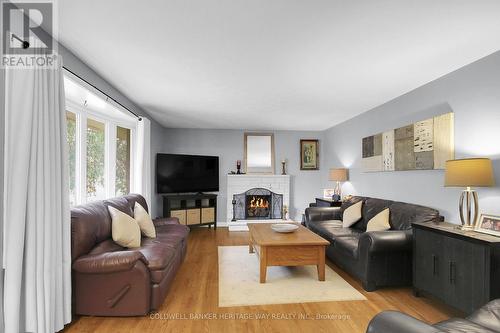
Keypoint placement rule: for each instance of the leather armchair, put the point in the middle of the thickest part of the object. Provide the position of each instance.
(484, 320)
(379, 258)
(397, 322)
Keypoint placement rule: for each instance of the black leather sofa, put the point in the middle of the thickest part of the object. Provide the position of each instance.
(484, 320)
(379, 258)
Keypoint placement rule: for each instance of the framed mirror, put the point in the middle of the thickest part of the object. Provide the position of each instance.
(259, 153)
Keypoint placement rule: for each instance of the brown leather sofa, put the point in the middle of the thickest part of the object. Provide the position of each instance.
(109, 280)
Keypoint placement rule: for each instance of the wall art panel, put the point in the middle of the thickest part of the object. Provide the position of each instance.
(424, 145)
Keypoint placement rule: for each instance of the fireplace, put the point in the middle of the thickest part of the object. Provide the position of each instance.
(238, 186)
(257, 203)
(258, 206)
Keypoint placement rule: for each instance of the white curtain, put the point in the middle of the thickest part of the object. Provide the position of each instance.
(142, 167)
(2, 136)
(37, 294)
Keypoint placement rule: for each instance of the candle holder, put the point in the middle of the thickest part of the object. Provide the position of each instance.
(238, 167)
(283, 167)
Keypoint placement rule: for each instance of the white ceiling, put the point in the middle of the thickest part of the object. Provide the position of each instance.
(274, 64)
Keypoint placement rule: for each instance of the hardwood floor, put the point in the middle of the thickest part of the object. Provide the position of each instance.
(193, 302)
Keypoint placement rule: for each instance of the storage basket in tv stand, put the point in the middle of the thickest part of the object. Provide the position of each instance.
(192, 209)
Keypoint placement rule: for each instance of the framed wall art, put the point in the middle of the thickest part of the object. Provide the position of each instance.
(309, 154)
(424, 145)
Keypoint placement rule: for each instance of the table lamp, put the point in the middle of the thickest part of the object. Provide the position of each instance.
(338, 175)
(468, 173)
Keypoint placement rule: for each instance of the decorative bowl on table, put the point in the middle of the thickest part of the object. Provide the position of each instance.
(284, 227)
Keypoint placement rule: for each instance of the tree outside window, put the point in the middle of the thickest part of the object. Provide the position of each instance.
(95, 160)
(122, 185)
(71, 138)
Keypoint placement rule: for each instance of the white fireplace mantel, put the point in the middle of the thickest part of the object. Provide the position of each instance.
(240, 183)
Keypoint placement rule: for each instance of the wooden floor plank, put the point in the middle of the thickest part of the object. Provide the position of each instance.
(195, 293)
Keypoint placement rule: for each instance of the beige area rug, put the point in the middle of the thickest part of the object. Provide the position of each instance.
(239, 282)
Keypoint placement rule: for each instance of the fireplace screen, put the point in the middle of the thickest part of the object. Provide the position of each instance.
(257, 203)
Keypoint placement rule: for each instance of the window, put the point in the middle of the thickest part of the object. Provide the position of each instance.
(122, 185)
(71, 127)
(100, 146)
(95, 160)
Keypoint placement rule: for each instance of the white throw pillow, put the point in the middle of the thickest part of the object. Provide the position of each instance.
(379, 222)
(144, 220)
(352, 214)
(124, 229)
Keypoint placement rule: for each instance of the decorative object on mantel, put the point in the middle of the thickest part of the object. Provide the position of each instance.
(424, 145)
(468, 173)
(283, 167)
(338, 175)
(309, 154)
(489, 224)
(238, 167)
(285, 212)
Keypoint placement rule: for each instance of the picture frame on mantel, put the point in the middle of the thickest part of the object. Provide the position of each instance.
(309, 154)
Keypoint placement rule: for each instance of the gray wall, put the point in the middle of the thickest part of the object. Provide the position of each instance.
(473, 94)
(228, 145)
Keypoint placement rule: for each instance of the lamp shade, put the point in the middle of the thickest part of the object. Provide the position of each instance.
(477, 172)
(338, 175)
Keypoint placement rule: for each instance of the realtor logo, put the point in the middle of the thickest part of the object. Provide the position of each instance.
(27, 33)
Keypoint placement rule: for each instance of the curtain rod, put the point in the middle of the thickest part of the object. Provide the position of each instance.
(102, 92)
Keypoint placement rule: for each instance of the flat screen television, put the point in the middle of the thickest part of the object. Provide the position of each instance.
(186, 173)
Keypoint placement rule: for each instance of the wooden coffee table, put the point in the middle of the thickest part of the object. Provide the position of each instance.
(301, 247)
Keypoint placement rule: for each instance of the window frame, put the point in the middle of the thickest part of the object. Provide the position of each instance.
(82, 113)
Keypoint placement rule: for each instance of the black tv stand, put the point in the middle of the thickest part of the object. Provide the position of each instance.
(192, 209)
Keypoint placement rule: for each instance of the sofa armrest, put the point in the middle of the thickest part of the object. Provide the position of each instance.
(316, 214)
(397, 322)
(386, 241)
(161, 221)
(109, 262)
(488, 315)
